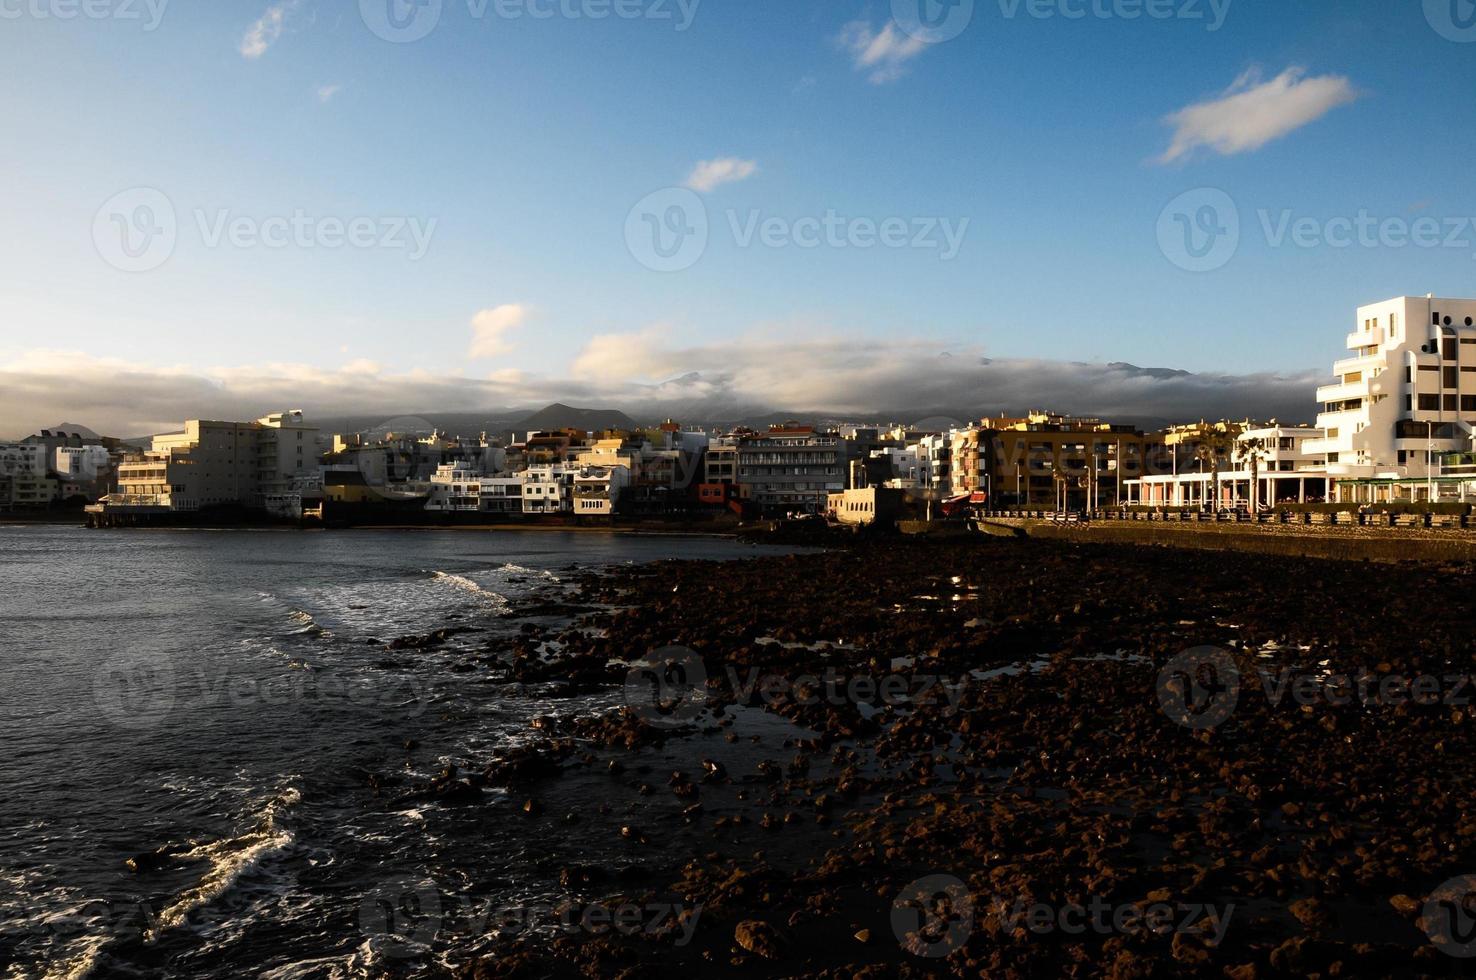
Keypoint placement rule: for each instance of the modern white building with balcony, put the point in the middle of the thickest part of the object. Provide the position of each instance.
(548, 489)
(1406, 395)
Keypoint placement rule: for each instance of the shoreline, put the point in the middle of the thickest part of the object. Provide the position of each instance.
(1047, 778)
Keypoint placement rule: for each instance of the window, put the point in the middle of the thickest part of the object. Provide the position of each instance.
(1450, 378)
(1468, 403)
(1449, 349)
(1429, 403)
(1449, 402)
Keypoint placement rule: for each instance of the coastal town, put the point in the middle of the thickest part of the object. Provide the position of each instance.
(1393, 426)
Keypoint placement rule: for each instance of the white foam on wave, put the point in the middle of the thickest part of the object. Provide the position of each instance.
(467, 585)
(525, 570)
(228, 860)
(84, 962)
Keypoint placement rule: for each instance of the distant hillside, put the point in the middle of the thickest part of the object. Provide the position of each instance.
(558, 416)
(73, 429)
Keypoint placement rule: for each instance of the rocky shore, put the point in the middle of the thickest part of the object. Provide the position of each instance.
(993, 757)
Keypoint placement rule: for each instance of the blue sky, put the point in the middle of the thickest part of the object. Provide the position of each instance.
(528, 141)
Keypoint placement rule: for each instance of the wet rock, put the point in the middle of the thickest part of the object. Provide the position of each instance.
(758, 938)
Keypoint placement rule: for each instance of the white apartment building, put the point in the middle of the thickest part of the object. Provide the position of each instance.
(1406, 394)
(548, 488)
(455, 487)
(905, 466)
(934, 461)
(597, 489)
(502, 495)
(81, 463)
(22, 459)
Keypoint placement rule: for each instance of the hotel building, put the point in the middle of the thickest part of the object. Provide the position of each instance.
(213, 464)
(1406, 395)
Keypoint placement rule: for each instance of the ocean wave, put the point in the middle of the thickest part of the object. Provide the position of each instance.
(81, 964)
(467, 585)
(525, 570)
(228, 860)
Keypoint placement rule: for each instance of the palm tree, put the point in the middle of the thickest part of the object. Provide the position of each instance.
(1211, 447)
(1255, 450)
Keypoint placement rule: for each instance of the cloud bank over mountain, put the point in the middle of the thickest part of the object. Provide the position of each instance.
(645, 376)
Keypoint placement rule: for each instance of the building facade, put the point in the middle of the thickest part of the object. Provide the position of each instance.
(790, 468)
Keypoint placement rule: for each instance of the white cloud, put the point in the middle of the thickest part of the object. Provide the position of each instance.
(491, 327)
(649, 376)
(327, 92)
(710, 174)
(883, 54)
(1252, 113)
(264, 33)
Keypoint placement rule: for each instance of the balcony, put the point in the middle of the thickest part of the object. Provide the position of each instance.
(1363, 362)
(1342, 391)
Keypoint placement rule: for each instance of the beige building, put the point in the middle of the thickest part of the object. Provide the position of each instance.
(213, 464)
